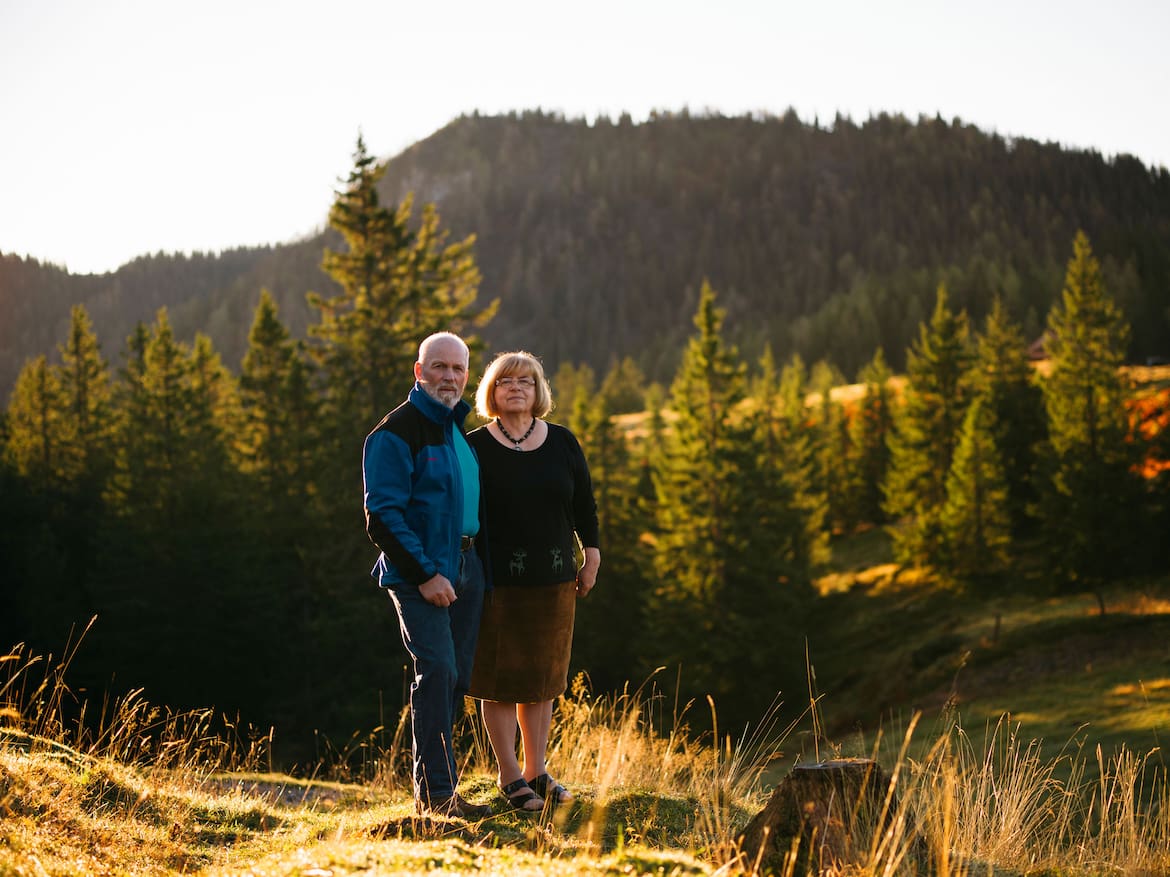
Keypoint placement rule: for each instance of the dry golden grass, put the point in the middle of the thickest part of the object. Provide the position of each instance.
(151, 793)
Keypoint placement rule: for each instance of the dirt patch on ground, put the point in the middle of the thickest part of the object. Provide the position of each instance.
(286, 792)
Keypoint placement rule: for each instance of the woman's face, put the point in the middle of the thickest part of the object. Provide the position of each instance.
(515, 393)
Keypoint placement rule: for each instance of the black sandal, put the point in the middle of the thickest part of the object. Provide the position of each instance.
(550, 789)
(519, 796)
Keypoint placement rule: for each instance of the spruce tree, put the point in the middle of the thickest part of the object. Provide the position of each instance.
(624, 387)
(151, 452)
(1084, 390)
(398, 285)
(609, 622)
(364, 353)
(976, 521)
(868, 462)
(171, 453)
(926, 432)
(831, 446)
(785, 443)
(36, 596)
(687, 617)
(696, 473)
(278, 443)
(262, 375)
(568, 382)
(181, 567)
(717, 595)
(792, 504)
(278, 412)
(35, 415)
(216, 397)
(87, 431)
(1092, 496)
(648, 451)
(87, 439)
(1005, 380)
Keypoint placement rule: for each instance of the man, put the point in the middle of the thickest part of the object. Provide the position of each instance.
(422, 500)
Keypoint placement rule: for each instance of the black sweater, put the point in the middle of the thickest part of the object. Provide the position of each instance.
(535, 501)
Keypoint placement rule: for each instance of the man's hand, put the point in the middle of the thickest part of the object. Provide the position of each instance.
(437, 590)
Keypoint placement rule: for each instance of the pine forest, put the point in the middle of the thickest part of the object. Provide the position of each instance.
(771, 338)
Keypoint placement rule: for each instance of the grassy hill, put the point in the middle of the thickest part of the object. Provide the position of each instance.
(891, 642)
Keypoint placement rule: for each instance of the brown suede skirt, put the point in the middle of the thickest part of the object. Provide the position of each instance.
(525, 639)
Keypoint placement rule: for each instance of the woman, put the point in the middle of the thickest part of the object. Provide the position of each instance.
(539, 507)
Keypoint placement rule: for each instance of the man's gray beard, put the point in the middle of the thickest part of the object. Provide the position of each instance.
(433, 392)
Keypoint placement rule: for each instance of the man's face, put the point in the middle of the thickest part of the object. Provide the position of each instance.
(442, 371)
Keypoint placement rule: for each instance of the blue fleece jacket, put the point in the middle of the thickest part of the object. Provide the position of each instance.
(414, 492)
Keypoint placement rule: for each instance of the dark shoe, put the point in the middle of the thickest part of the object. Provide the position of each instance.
(455, 807)
(519, 796)
(550, 789)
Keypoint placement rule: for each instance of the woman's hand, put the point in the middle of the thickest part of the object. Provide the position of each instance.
(587, 574)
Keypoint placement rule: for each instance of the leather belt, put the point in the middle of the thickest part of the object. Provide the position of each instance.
(466, 542)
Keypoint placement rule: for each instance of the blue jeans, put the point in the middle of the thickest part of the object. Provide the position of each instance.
(441, 643)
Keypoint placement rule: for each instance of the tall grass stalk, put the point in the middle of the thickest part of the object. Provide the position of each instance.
(621, 745)
(44, 713)
(999, 805)
(79, 794)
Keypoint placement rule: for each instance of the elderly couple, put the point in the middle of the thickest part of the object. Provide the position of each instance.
(477, 535)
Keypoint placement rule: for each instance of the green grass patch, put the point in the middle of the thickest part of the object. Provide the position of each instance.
(887, 646)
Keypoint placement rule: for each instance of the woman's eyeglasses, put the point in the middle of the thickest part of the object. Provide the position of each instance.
(515, 382)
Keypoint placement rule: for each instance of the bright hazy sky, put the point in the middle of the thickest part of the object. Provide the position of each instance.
(133, 126)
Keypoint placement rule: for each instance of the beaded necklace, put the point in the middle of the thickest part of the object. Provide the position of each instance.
(516, 442)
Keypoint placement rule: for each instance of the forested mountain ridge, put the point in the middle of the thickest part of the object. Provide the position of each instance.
(35, 300)
(823, 241)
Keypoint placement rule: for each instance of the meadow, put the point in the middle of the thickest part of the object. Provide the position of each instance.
(1029, 745)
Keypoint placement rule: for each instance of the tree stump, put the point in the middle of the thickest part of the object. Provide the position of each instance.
(826, 813)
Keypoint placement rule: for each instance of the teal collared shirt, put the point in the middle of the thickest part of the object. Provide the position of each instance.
(469, 472)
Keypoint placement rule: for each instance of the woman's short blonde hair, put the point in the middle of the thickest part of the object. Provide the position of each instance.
(516, 364)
